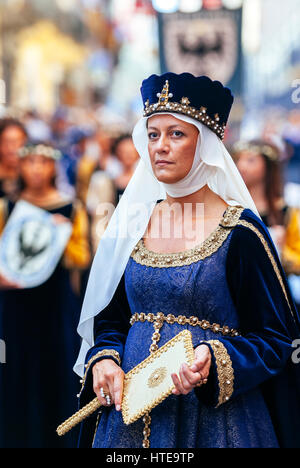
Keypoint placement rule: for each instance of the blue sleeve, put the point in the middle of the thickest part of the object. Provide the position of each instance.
(267, 315)
(111, 327)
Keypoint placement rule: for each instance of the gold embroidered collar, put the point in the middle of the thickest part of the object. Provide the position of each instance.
(214, 241)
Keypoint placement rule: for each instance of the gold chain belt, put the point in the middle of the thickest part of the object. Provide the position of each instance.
(183, 320)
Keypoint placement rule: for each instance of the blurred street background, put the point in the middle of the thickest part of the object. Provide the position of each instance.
(78, 64)
(87, 58)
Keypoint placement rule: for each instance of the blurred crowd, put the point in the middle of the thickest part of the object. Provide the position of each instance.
(38, 387)
(99, 158)
(97, 161)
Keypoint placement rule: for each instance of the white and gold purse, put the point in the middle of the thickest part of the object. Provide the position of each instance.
(150, 382)
(147, 384)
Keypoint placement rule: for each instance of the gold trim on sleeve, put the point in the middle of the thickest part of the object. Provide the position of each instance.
(224, 371)
(215, 240)
(271, 257)
(105, 352)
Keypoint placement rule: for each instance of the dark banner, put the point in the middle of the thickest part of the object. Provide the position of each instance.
(203, 43)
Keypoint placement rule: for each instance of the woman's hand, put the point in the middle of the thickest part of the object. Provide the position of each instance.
(190, 376)
(110, 377)
(6, 284)
(59, 219)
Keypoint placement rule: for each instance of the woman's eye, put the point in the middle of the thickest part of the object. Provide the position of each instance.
(152, 135)
(177, 133)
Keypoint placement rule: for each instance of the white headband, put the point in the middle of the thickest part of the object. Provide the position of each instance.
(212, 165)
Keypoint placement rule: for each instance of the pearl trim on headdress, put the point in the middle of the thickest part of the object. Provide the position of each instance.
(163, 105)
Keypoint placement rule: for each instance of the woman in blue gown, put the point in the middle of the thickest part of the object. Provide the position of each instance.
(229, 290)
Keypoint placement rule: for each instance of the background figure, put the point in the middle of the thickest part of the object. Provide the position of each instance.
(104, 189)
(101, 190)
(12, 137)
(36, 127)
(260, 166)
(72, 151)
(108, 161)
(38, 387)
(96, 157)
(291, 135)
(126, 153)
(87, 164)
(290, 255)
(60, 124)
(77, 143)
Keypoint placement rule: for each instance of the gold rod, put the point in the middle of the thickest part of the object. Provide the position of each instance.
(78, 417)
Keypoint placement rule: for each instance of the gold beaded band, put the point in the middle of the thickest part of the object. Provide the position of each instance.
(183, 320)
(271, 257)
(147, 430)
(224, 371)
(142, 255)
(107, 353)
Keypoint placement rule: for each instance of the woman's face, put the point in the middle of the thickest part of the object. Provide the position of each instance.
(37, 171)
(12, 139)
(104, 142)
(127, 153)
(252, 167)
(172, 145)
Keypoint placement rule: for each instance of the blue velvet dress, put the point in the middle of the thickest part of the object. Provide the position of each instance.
(234, 287)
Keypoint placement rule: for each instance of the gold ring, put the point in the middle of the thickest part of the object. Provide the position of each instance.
(198, 384)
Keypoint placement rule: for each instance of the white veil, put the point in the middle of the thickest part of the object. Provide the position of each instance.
(212, 165)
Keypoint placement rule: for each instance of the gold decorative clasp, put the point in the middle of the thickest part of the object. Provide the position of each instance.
(157, 377)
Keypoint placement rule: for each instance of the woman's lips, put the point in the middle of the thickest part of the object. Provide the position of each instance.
(162, 163)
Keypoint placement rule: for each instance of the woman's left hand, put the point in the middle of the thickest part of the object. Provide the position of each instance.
(189, 377)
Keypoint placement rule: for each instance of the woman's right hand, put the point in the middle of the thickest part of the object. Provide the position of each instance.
(109, 376)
